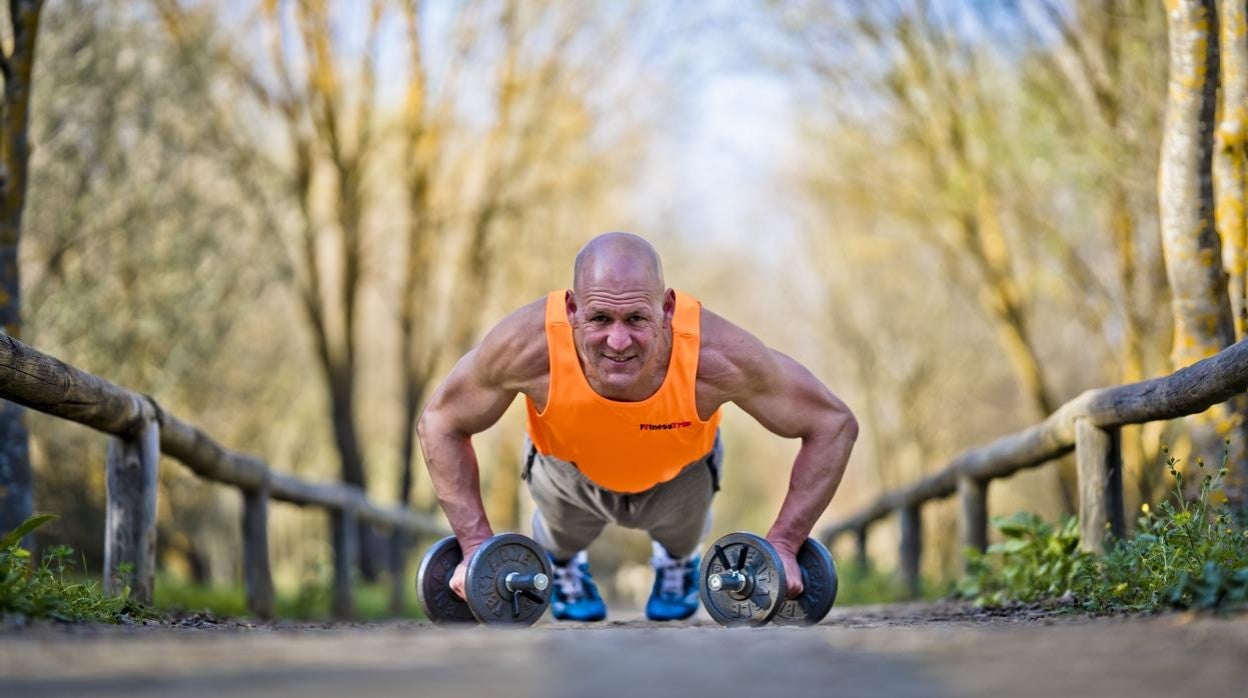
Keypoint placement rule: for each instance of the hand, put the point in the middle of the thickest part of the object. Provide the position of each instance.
(461, 572)
(792, 571)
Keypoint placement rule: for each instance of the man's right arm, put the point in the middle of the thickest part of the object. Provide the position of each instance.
(471, 399)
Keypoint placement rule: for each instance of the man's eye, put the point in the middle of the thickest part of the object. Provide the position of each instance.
(599, 318)
(637, 318)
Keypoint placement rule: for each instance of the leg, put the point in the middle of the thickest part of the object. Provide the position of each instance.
(677, 513)
(567, 520)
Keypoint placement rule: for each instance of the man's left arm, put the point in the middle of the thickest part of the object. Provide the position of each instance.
(789, 401)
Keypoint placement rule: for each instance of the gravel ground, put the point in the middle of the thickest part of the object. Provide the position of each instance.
(895, 650)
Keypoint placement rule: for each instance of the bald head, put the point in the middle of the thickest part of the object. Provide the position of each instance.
(618, 261)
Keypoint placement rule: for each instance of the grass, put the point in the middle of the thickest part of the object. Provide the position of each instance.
(56, 589)
(859, 586)
(51, 589)
(310, 601)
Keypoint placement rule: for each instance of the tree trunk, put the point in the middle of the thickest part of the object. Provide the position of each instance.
(346, 438)
(1230, 182)
(16, 497)
(1192, 249)
(1229, 156)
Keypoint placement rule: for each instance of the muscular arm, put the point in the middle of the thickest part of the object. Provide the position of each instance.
(789, 401)
(474, 396)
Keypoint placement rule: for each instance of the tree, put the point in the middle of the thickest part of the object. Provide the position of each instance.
(128, 274)
(326, 111)
(939, 119)
(16, 63)
(1203, 322)
(1092, 81)
(483, 140)
(1230, 164)
(1230, 157)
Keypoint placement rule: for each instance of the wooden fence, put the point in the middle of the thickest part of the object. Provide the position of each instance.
(1088, 424)
(140, 430)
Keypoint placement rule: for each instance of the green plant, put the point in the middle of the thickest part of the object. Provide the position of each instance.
(47, 591)
(1185, 554)
(1035, 561)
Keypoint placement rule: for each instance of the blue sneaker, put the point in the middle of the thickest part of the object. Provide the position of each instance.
(574, 596)
(675, 592)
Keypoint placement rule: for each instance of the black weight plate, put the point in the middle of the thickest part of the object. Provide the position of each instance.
(761, 562)
(819, 580)
(433, 584)
(488, 598)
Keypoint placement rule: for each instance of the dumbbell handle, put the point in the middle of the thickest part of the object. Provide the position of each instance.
(730, 580)
(515, 581)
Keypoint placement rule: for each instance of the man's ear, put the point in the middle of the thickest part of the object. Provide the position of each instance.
(669, 307)
(569, 302)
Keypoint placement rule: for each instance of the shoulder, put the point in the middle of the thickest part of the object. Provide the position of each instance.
(514, 352)
(731, 360)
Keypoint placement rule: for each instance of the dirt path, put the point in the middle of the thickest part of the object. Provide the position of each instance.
(904, 650)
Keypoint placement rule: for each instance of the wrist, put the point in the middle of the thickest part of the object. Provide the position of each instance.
(785, 540)
(474, 540)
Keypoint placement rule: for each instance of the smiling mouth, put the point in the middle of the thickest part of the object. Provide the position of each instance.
(618, 360)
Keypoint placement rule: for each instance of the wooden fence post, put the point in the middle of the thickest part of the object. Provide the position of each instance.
(346, 553)
(911, 548)
(258, 578)
(860, 541)
(130, 517)
(398, 559)
(974, 519)
(1099, 455)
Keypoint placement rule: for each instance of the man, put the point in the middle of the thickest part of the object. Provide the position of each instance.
(623, 380)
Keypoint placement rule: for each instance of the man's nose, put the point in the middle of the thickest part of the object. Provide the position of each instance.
(618, 339)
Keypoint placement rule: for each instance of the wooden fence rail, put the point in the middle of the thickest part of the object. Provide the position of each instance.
(140, 430)
(1088, 424)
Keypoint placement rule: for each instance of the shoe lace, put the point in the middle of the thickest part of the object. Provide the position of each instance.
(671, 573)
(570, 579)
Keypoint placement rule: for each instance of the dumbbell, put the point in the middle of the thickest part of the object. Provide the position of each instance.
(507, 583)
(743, 583)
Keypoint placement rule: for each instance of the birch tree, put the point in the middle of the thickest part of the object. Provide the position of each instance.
(1230, 162)
(1201, 306)
(1229, 157)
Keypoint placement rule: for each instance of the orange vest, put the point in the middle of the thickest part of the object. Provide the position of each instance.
(622, 446)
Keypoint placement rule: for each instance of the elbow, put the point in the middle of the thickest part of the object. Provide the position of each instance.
(437, 425)
(844, 425)
(426, 425)
(850, 427)
(836, 428)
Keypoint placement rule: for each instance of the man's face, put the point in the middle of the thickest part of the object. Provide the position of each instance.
(621, 335)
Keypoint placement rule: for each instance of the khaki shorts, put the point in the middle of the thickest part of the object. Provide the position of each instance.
(572, 510)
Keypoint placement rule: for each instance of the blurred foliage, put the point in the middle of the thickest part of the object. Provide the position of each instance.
(140, 267)
(1185, 554)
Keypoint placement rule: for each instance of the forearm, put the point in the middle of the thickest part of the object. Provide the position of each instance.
(453, 468)
(816, 474)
